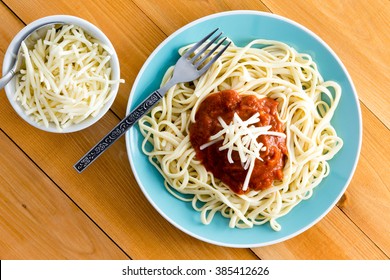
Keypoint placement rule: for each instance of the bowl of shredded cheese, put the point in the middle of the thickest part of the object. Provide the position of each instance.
(68, 79)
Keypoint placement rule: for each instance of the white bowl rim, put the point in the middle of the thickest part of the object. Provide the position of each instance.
(91, 29)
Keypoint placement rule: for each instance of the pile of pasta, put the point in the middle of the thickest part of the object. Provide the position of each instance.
(262, 68)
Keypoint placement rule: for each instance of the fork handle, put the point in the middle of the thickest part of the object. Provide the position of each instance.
(8, 77)
(120, 129)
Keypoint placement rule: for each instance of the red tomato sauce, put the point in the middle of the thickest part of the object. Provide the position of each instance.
(224, 104)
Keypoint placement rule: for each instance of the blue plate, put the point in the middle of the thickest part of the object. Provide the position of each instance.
(242, 27)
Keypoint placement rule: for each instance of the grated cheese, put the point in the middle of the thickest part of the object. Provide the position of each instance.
(65, 78)
(241, 136)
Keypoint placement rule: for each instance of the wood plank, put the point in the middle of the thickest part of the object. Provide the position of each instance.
(335, 237)
(171, 19)
(131, 32)
(358, 230)
(107, 191)
(369, 188)
(368, 196)
(7, 34)
(38, 221)
(358, 32)
(134, 36)
(174, 17)
(35, 214)
(109, 194)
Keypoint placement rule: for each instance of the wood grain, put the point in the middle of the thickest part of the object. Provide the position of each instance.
(105, 206)
(36, 214)
(358, 32)
(107, 191)
(130, 31)
(38, 221)
(369, 192)
(334, 237)
(175, 17)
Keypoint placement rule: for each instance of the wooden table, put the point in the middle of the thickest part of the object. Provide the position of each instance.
(49, 211)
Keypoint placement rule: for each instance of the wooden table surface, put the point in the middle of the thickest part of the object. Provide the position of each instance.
(49, 211)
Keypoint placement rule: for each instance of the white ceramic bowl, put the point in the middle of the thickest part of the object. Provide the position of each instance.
(92, 30)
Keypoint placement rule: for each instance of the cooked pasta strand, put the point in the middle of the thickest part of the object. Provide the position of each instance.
(266, 69)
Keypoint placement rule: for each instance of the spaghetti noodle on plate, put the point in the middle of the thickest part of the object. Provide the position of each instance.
(303, 105)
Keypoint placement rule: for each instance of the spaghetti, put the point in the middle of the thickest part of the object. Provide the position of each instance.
(306, 104)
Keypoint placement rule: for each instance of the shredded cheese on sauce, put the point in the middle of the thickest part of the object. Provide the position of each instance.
(274, 70)
(66, 77)
(241, 136)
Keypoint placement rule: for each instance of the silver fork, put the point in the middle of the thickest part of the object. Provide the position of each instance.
(189, 67)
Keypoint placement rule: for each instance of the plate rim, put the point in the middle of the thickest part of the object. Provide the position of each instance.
(261, 14)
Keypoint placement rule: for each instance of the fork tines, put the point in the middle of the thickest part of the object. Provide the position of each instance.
(197, 59)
